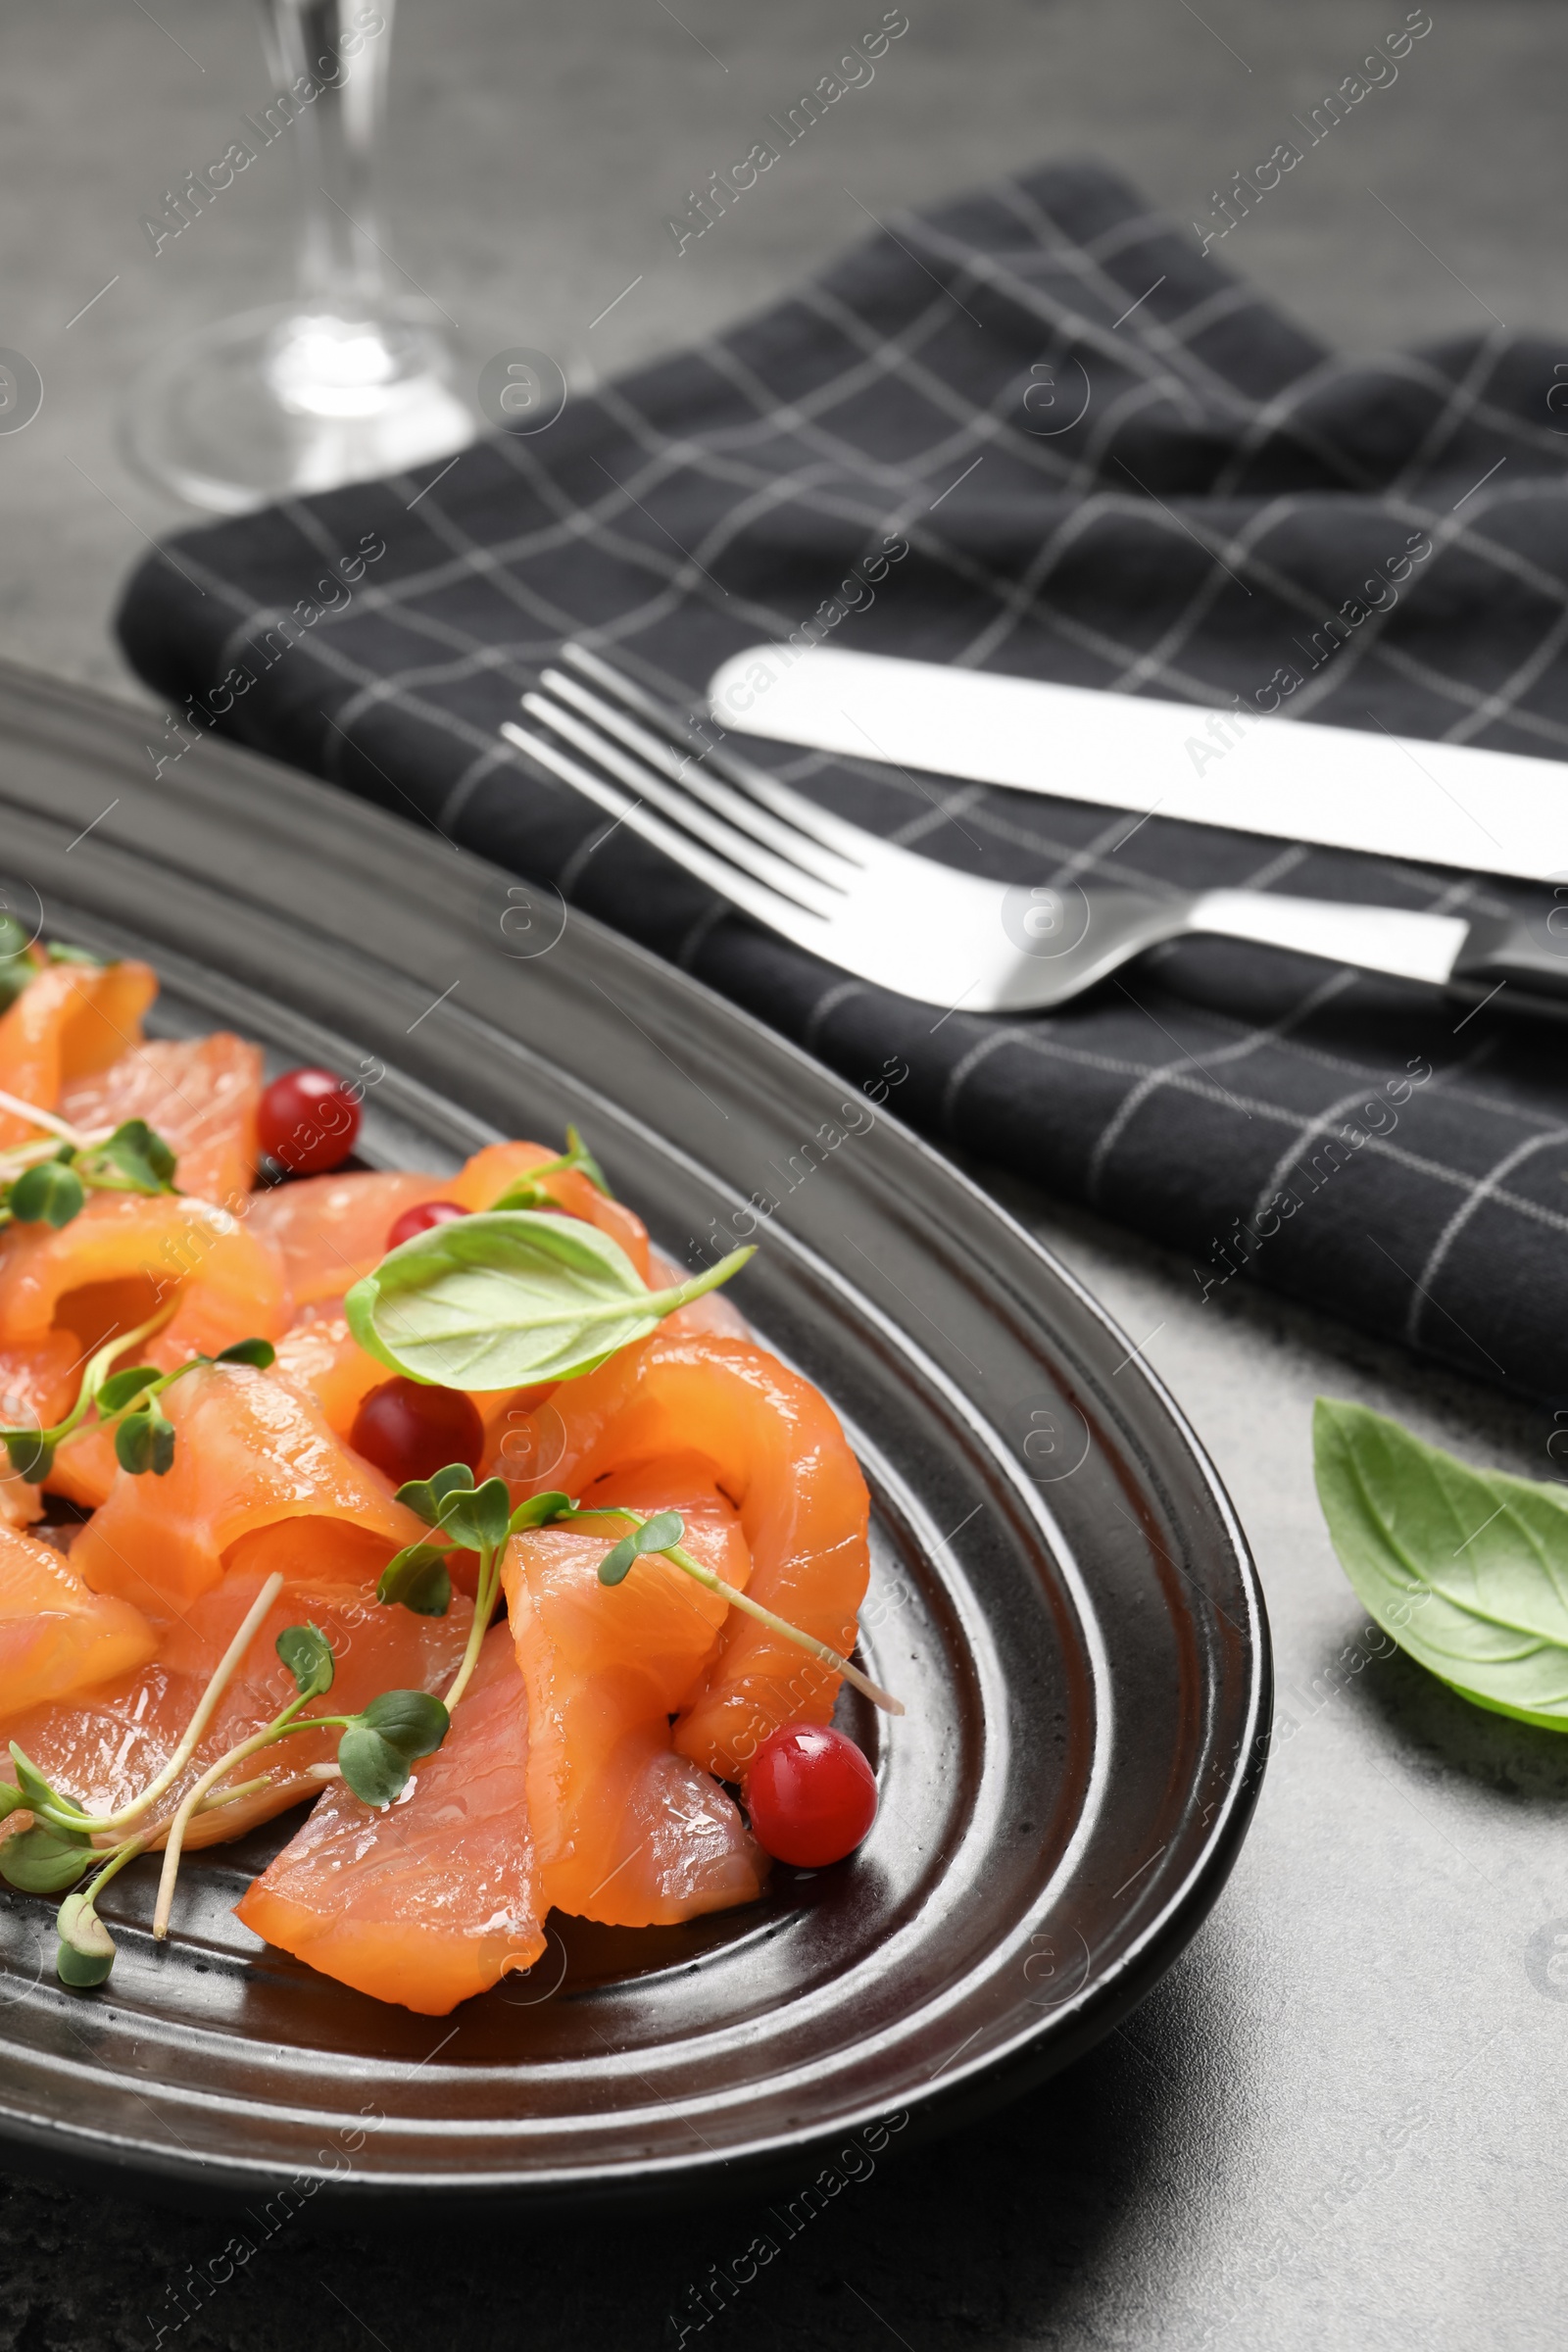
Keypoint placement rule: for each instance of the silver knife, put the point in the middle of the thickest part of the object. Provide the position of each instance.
(1436, 804)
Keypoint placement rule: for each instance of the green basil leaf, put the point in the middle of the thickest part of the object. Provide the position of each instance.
(49, 1194)
(120, 1386)
(33, 1789)
(61, 951)
(477, 1517)
(11, 1800)
(260, 1353)
(373, 1767)
(539, 1510)
(426, 1497)
(509, 1299)
(616, 1564)
(86, 1950)
(1461, 1566)
(418, 1578)
(44, 1861)
(308, 1654)
(31, 1453)
(410, 1720)
(145, 1442)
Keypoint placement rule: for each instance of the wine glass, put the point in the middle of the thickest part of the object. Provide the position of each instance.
(349, 379)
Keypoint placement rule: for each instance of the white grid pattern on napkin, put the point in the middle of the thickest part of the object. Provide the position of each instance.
(1228, 474)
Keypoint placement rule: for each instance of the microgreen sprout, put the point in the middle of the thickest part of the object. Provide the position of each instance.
(376, 1753)
(17, 962)
(467, 1518)
(46, 1181)
(475, 1518)
(86, 1949)
(662, 1536)
(529, 1190)
(126, 1402)
(62, 1842)
(23, 958)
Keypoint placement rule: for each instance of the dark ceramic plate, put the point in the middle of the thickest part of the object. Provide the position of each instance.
(1060, 1591)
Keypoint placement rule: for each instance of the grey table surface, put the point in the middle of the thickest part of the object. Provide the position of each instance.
(1336, 2121)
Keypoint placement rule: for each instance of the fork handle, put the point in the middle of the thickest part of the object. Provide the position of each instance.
(1533, 958)
(1380, 939)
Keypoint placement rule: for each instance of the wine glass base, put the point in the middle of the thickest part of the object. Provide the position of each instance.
(296, 398)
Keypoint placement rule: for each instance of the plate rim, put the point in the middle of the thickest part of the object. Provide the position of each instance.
(970, 2087)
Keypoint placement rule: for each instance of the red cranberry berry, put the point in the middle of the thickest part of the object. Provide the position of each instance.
(308, 1120)
(423, 1219)
(811, 1795)
(411, 1430)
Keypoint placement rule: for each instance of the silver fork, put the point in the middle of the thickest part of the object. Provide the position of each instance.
(927, 930)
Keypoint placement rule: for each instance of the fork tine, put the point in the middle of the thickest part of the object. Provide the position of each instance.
(686, 770)
(714, 834)
(833, 832)
(764, 906)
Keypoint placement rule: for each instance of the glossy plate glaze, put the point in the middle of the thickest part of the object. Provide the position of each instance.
(1060, 1592)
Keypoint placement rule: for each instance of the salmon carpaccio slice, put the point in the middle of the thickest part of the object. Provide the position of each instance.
(37, 1387)
(115, 1262)
(319, 1355)
(62, 1293)
(104, 1745)
(627, 1832)
(57, 1636)
(199, 1094)
(72, 1020)
(331, 1230)
(772, 1445)
(431, 1899)
(259, 1482)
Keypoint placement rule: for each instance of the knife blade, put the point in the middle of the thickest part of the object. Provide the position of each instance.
(1436, 803)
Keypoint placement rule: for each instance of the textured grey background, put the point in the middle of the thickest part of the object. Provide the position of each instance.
(1338, 2120)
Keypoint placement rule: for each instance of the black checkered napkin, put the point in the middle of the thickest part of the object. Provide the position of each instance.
(1229, 487)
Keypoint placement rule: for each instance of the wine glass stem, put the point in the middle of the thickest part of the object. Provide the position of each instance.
(336, 49)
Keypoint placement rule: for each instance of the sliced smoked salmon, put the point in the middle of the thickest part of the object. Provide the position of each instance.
(330, 1230)
(319, 1355)
(259, 1482)
(126, 1254)
(199, 1094)
(627, 1832)
(72, 1020)
(56, 1637)
(37, 1387)
(105, 1745)
(774, 1447)
(435, 1897)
